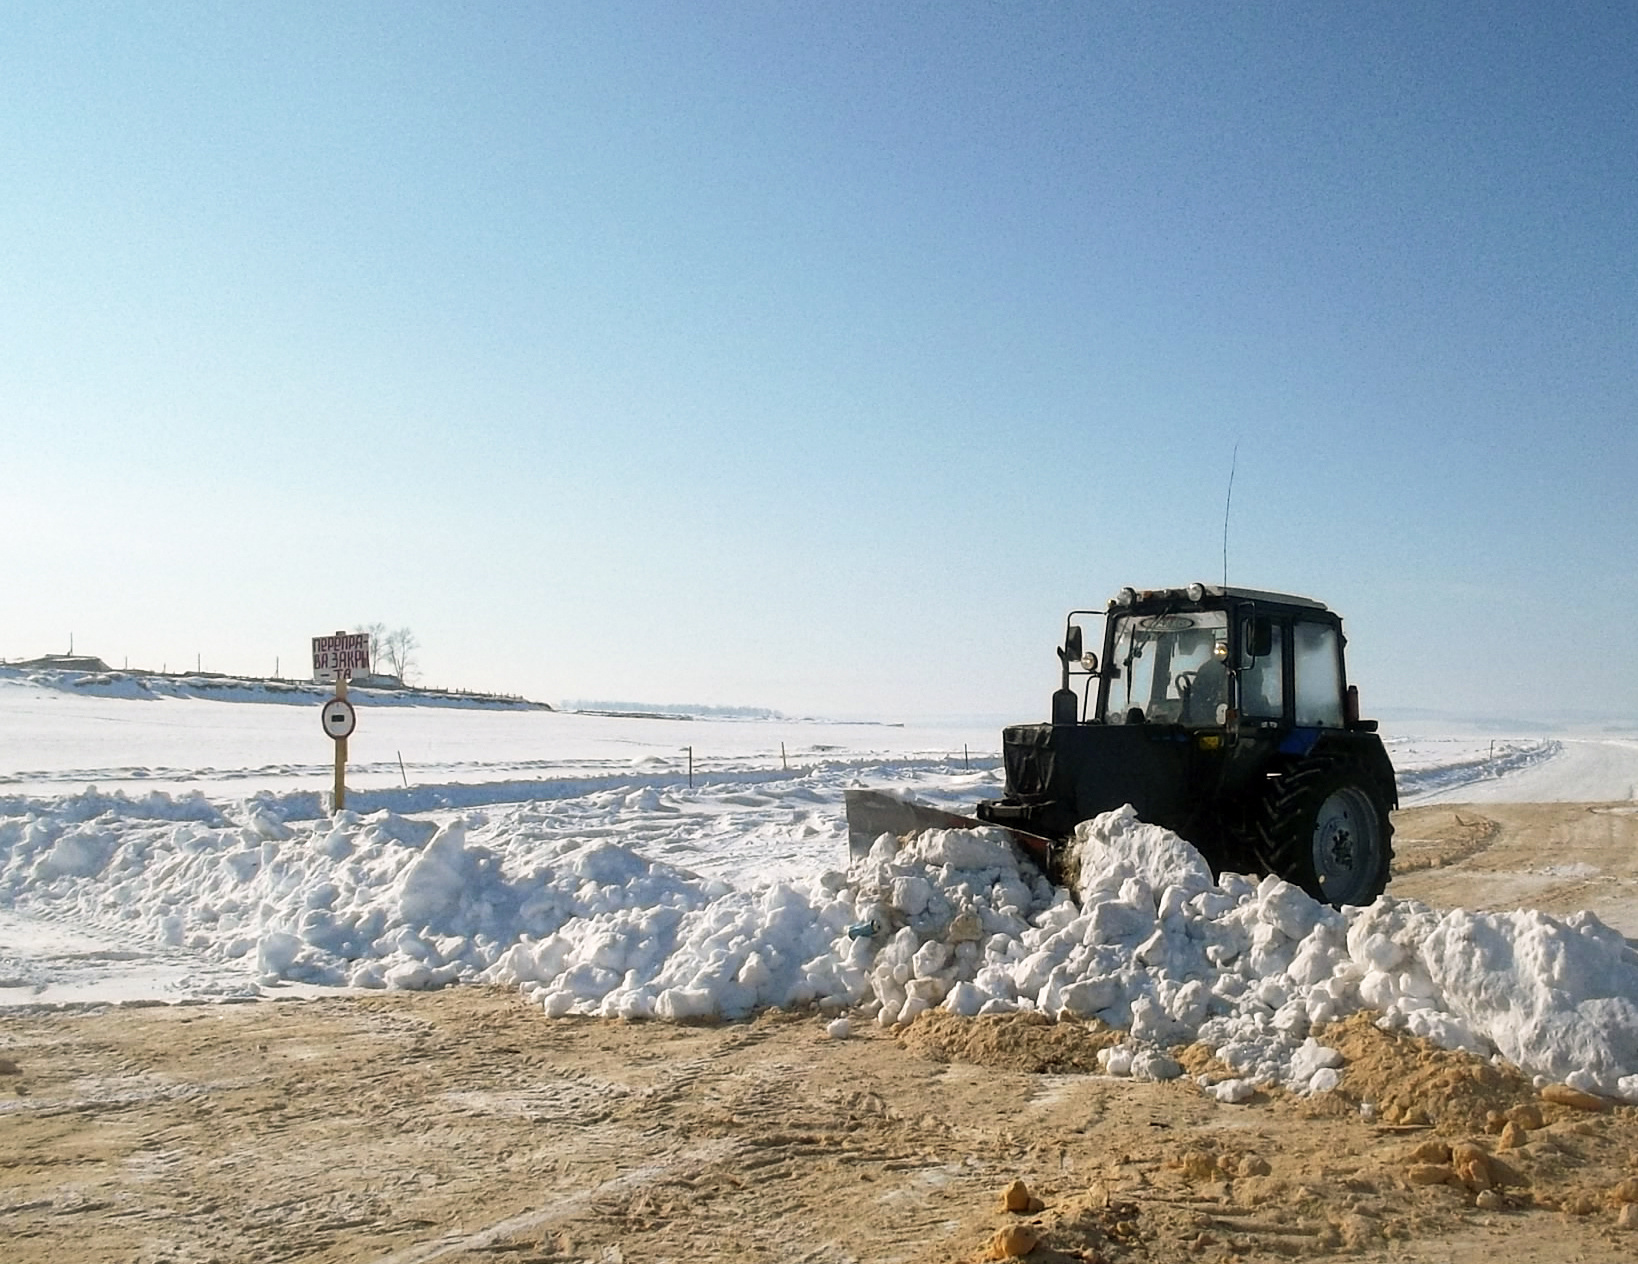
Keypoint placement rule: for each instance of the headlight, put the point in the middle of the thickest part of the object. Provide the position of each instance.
(1196, 592)
(1126, 596)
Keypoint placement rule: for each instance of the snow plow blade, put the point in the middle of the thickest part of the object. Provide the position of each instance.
(871, 813)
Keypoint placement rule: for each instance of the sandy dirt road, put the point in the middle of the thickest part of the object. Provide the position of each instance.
(1557, 857)
(464, 1126)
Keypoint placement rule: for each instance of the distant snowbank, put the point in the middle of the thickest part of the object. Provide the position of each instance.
(1424, 766)
(670, 710)
(302, 805)
(150, 686)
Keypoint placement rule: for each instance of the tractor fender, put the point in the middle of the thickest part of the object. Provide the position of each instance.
(1360, 748)
(1300, 741)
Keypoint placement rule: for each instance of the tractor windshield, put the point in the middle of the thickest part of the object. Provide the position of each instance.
(1169, 669)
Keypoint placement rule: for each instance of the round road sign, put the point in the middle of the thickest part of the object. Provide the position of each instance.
(339, 718)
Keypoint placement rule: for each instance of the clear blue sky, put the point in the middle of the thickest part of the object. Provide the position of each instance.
(820, 356)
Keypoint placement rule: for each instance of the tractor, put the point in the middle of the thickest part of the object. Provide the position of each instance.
(1223, 714)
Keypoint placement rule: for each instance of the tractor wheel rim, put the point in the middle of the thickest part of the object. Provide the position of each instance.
(1345, 843)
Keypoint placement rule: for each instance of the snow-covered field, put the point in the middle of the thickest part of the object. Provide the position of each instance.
(171, 848)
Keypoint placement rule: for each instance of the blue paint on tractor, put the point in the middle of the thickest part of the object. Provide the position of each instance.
(1299, 741)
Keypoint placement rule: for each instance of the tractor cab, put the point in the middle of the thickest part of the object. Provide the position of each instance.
(1234, 659)
(1212, 710)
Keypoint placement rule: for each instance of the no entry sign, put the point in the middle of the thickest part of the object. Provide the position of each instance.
(344, 654)
(339, 718)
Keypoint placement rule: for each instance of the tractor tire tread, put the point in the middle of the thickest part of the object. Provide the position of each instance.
(1284, 829)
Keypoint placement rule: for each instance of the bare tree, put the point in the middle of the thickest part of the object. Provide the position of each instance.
(398, 652)
(392, 653)
(377, 632)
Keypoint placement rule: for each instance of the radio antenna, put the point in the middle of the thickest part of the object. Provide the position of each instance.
(1227, 501)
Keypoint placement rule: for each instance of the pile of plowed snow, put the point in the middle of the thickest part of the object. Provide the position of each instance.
(1151, 944)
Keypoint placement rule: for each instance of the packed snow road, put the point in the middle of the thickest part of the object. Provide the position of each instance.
(1571, 770)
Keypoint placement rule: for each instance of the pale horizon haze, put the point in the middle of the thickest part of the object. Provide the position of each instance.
(820, 358)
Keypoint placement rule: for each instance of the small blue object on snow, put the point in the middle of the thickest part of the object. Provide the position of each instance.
(862, 930)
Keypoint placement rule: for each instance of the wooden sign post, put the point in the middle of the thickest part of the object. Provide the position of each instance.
(336, 658)
(341, 751)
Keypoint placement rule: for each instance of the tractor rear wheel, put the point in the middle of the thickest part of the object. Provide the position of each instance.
(1325, 827)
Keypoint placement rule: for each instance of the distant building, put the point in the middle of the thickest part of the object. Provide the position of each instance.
(64, 662)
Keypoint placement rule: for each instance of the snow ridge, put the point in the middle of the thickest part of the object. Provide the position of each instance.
(586, 925)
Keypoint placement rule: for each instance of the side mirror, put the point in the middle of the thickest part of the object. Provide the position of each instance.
(1072, 643)
(1258, 637)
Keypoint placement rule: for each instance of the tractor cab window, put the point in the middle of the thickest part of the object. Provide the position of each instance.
(1262, 675)
(1169, 669)
(1317, 658)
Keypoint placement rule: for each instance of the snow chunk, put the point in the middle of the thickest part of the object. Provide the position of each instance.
(1115, 848)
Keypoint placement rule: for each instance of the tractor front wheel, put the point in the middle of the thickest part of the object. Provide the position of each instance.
(1325, 827)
